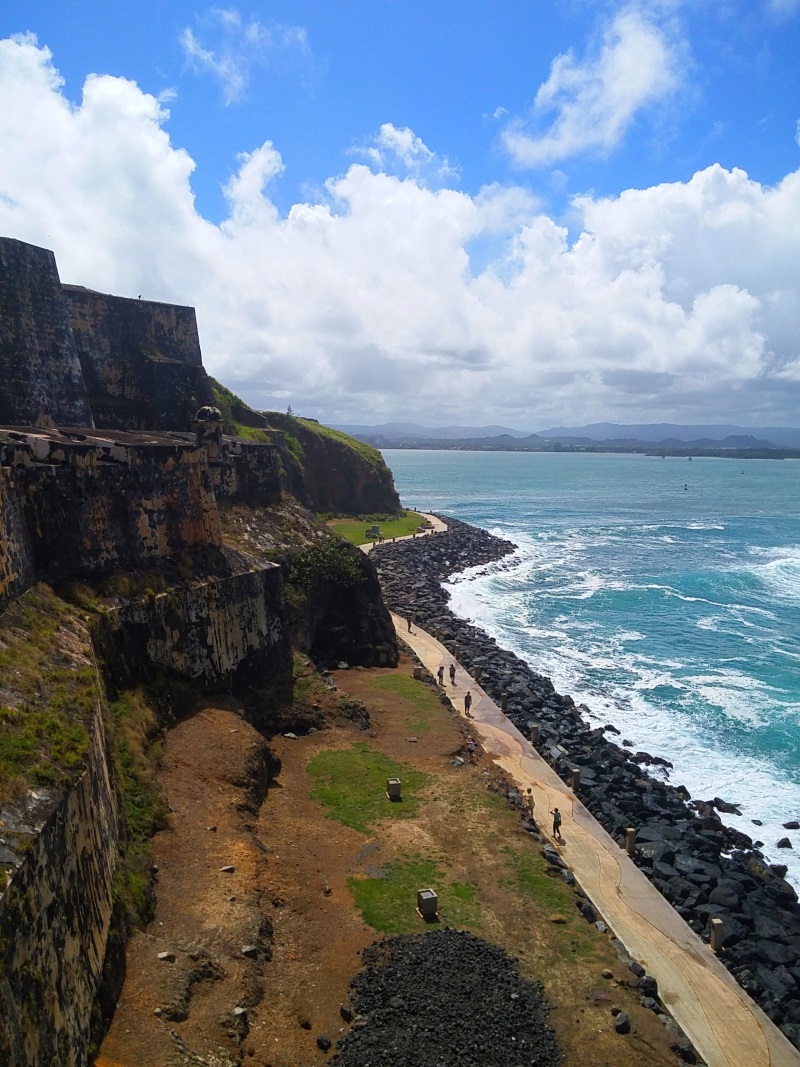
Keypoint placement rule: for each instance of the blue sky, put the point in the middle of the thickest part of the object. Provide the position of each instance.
(391, 207)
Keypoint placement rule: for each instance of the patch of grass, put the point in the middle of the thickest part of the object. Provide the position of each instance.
(50, 690)
(352, 783)
(552, 897)
(388, 904)
(414, 693)
(137, 757)
(355, 530)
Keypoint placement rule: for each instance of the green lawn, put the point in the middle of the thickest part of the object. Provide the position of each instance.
(352, 783)
(415, 695)
(388, 904)
(355, 530)
(551, 895)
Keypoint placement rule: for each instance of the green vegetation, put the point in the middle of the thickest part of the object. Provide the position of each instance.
(355, 530)
(370, 455)
(228, 403)
(422, 700)
(330, 563)
(552, 896)
(388, 904)
(294, 446)
(49, 691)
(137, 757)
(352, 783)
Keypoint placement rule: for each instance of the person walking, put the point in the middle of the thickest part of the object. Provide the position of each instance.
(440, 674)
(408, 620)
(468, 705)
(529, 801)
(452, 674)
(556, 823)
(471, 749)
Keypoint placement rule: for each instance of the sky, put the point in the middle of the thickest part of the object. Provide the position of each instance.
(524, 212)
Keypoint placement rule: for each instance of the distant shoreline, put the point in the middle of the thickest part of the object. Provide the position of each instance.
(655, 453)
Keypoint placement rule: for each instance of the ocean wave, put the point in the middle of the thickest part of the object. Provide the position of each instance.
(781, 571)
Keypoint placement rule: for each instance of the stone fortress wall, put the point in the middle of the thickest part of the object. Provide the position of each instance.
(39, 365)
(81, 496)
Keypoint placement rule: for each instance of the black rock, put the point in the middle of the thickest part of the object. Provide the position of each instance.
(622, 1023)
(466, 1004)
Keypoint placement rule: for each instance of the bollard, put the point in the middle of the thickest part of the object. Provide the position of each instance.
(534, 733)
(503, 701)
(427, 903)
(717, 927)
(476, 674)
(393, 788)
(576, 777)
(630, 840)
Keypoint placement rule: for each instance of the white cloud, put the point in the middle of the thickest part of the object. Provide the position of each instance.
(396, 148)
(237, 46)
(390, 296)
(596, 99)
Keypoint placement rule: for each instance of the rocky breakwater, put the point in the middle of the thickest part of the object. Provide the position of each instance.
(705, 868)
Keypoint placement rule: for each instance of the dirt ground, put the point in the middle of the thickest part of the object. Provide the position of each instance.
(291, 865)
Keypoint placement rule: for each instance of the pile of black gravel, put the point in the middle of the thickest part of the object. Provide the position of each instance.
(445, 999)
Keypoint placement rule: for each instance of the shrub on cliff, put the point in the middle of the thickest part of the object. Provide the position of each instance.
(329, 564)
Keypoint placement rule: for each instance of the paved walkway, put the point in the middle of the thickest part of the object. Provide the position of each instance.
(727, 1028)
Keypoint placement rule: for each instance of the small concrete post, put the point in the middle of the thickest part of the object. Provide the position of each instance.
(575, 777)
(418, 672)
(393, 788)
(456, 650)
(717, 927)
(427, 903)
(534, 733)
(630, 840)
(476, 674)
(503, 701)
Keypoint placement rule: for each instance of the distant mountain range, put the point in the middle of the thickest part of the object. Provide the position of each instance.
(600, 435)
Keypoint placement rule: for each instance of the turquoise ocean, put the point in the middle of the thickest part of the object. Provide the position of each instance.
(662, 593)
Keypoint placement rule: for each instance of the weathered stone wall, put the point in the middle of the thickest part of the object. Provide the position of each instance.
(84, 508)
(39, 366)
(224, 634)
(16, 551)
(141, 360)
(55, 918)
(248, 473)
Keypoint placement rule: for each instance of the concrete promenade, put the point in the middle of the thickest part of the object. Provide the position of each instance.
(727, 1028)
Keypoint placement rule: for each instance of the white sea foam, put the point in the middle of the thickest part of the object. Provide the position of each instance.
(780, 571)
(689, 739)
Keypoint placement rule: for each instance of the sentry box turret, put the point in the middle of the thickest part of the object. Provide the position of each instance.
(427, 903)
